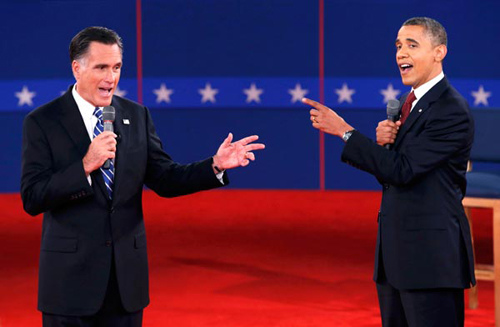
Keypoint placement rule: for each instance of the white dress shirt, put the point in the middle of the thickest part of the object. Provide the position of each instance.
(87, 112)
(424, 88)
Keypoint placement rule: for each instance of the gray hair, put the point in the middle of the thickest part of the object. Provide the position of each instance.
(432, 27)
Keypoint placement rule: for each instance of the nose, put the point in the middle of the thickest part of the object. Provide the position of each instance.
(110, 76)
(401, 53)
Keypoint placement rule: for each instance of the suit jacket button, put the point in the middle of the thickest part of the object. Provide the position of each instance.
(108, 243)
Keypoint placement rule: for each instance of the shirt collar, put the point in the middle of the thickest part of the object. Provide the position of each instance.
(85, 107)
(424, 88)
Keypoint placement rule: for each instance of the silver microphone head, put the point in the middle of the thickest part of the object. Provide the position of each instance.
(108, 114)
(392, 108)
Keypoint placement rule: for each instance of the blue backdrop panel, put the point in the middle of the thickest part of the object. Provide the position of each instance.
(231, 45)
(365, 121)
(230, 38)
(36, 34)
(10, 161)
(360, 35)
(290, 160)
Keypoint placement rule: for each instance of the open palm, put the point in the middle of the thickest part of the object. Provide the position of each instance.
(232, 155)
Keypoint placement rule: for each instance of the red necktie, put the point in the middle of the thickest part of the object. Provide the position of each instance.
(405, 111)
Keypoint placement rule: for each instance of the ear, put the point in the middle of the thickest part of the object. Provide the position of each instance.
(440, 52)
(76, 67)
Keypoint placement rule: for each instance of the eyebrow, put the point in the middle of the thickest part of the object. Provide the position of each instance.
(408, 39)
(107, 65)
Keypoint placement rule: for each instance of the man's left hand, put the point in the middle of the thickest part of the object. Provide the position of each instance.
(236, 154)
(387, 131)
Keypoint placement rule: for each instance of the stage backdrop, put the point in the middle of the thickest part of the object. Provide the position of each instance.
(209, 67)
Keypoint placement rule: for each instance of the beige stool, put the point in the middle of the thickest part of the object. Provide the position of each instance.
(487, 272)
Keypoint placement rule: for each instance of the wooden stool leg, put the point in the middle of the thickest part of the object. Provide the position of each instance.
(473, 301)
(473, 296)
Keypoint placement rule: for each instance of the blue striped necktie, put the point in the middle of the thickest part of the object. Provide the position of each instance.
(107, 174)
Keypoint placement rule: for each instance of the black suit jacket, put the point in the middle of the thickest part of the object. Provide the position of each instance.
(423, 238)
(81, 227)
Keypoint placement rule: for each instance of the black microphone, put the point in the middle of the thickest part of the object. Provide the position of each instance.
(392, 114)
(108, 118)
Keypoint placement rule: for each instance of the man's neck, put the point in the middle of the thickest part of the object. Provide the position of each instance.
(424, 88)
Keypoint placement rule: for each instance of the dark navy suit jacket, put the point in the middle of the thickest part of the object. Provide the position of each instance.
(423, 238)
(81, 226)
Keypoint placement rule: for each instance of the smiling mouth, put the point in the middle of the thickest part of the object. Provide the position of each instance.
(405, 67)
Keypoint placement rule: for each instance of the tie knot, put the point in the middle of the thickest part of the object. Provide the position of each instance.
(98, 113)
(405, 110)
(411, 97)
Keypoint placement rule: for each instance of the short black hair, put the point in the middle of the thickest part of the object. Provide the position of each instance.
(433, 28)
(80, 43)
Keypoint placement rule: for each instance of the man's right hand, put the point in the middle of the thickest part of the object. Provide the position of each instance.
(387, 131)
(103, 147)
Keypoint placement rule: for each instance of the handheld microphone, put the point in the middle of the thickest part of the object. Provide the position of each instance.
(108, 118)
(392, 110)
(392, 114)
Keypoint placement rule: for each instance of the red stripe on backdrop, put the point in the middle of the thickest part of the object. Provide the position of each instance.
(139, 49)
(321, 90)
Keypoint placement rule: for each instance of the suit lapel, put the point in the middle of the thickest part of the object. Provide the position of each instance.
(421, 106)
(71, 120)
(121, 131)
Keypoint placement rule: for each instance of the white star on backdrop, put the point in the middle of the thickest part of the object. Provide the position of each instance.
(208, 94)
(297, 93)
(25, 97)
(345, 93)
(480, 96)
(253, 93)
(162, 94)
(119, 92)
(389, 93)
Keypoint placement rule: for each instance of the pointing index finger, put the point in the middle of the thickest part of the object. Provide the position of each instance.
(314, 104)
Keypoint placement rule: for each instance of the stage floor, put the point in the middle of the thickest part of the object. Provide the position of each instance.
(241, 258)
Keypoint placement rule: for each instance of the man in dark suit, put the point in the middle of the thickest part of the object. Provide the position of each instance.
(93, 260)
(424, 258)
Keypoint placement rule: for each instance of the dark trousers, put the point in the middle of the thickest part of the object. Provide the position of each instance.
(111, 314)
(441, 307)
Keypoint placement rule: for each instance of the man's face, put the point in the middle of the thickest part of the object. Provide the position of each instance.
(418, 59)
(97, 73)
